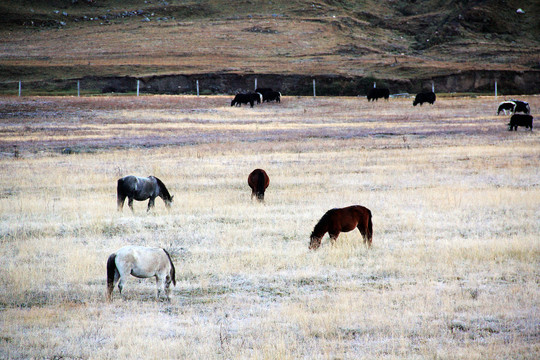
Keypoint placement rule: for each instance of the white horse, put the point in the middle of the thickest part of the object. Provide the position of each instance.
(141, 262)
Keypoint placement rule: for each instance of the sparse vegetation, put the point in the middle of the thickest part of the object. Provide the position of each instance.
(453, 272)
(394, 40)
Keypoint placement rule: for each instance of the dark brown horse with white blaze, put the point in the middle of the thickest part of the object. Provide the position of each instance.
(345, 219)
(258, 181)
(140, 189)
(141, 262)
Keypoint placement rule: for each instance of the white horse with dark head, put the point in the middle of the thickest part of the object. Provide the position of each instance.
(140, 189)
(141, 262)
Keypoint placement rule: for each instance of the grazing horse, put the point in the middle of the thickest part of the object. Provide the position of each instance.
(141, 262)
(258, 181)
(140, 189)
(345, 219)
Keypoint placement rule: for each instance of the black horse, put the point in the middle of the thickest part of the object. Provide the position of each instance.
(140, 189)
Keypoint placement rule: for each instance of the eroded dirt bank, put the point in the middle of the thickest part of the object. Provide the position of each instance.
(483, 81)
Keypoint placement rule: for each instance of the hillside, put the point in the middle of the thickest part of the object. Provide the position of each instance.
(394, 41)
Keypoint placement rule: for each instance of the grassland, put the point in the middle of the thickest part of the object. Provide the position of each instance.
(453, 272)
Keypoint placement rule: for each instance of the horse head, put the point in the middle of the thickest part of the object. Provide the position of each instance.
(315, 242)
(168, 202)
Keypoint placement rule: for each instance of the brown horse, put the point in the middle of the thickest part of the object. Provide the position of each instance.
(343, 220)
(258, 181)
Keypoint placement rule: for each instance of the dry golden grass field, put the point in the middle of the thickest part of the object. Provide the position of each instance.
(453, 273)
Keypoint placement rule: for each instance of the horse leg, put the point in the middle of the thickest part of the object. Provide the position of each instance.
(120, 202)
(150, 204)
(121, 284)
(160, 287)
(168, 287)
(124, 270)
(333, 236)
(130, 204)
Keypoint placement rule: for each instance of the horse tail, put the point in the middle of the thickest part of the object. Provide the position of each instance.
(173, 270)
(119, 186)
(111, 270)
(261, 181)
(369, 231)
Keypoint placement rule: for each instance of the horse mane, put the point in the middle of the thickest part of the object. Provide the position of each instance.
(322, 226)
(173, 270)
(163, 189)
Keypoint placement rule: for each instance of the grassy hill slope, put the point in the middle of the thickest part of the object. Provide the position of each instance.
(398, 39)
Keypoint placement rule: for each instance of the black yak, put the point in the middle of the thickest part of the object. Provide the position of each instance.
(423, 97)
(272, 96)
(520, 120)
(240, 99)
(521, 106)
(375, 94)
(269, 94)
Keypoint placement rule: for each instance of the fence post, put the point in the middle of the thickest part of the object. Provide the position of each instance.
(495, 89)
(78, 88)
(314, 92)
(197, 88)
(20, 88)
(255, 84)
(138, 87)
(374, 84)
(432, 86)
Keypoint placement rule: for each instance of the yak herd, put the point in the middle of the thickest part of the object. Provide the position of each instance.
(260, 95)
(512, 106)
